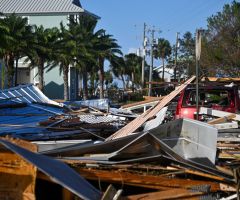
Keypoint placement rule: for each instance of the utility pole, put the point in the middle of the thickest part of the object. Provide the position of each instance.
(144, 52)
(151, 66)
(175, 64)
(198, 55)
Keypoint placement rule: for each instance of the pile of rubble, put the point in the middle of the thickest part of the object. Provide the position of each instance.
(86, 150)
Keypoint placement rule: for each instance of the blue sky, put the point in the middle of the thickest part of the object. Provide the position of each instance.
(124, 18)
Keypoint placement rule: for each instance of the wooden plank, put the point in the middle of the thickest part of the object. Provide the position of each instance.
(228, 139)
(201, 174)
(229, 125)
(217, 113)
(215, 79)
(135, 124)
(164, 195)
(67, 195)
(222, 119)
(143, 180)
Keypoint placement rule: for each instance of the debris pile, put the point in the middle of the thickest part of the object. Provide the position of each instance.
(87, 150)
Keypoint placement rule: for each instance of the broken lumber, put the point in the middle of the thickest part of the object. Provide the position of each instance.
(229, 125)
(222, 119)
(135, 124)
(217, 113)
(143, 180)
(167, 194)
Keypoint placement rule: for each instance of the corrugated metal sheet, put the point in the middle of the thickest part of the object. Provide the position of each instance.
(40, 6)
(102, 104)
(25, 119)
(93, 119)
(25, 93)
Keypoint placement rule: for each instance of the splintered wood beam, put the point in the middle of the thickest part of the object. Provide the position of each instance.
(168, 194)
(144, 180)
(217, 113)
(136, 123)
(222, 119)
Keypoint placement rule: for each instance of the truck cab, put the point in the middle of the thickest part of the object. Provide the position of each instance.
(215, 96)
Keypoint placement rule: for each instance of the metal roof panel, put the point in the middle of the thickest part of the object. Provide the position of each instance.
(40, 6)
(25, 119)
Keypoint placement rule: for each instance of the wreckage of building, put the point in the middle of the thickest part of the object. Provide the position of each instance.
(88, 150)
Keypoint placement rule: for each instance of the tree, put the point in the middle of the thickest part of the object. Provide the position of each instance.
(107, 49)
(82, 33)
(13, 40)
(221, 42)
(119, 70)
(63, 53)
(4, 32)
(186, 60)
(108, 79)
(93, 47)
(162, 50)
(133, 67)
(40, 50)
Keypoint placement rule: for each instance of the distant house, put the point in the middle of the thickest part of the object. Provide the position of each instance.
(48, 13)
(168, 73)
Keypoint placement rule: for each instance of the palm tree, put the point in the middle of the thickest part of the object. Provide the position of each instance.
(4, 32)
(63, 52)
(163, 50)
(22, 49)
(119, 70)
(41, 49)
(82, 33)
(14, 41)
(107, 49)
(133, 64)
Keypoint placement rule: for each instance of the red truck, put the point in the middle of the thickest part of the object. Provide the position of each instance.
(215, 96)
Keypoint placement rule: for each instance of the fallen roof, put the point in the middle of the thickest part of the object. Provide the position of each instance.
(25, 118)
(25, 94)
(176, 140)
